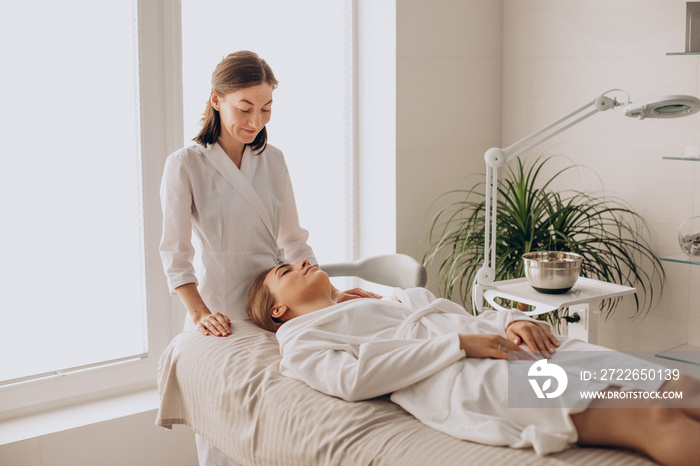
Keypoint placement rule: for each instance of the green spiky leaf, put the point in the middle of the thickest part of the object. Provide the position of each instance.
(610, 236)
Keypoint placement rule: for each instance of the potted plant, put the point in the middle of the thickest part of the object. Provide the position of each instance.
(607, 233)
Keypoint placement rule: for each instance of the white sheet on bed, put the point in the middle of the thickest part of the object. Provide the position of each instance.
(230, 391)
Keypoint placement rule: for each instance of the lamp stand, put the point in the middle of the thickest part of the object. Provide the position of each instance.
(495, 158)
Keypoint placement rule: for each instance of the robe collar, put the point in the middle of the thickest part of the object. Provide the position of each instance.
(225, 166)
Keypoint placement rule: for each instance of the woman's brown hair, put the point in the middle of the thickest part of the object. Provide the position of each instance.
(238, 70)
(260, 303)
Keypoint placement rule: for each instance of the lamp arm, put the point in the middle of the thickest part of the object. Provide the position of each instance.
(549, 136)
(601, 103)
(510, 149)
(496, 158)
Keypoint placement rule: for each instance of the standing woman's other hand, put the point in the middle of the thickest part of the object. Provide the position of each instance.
(341, 296)
(215, 324)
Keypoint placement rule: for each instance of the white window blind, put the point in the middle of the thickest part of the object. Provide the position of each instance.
(72, 277)
(309, 45)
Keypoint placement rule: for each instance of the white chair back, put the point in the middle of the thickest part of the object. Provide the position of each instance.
(397, 270)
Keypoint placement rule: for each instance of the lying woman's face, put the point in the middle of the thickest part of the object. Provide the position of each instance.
(294, 284)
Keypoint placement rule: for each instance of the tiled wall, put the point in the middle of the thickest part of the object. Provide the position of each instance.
(476, 74)
(558, 55)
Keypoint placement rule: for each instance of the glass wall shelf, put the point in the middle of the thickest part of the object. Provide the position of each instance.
(688, 354)
(682, 53)
(687, 159)
(685, 353)
(682, 259)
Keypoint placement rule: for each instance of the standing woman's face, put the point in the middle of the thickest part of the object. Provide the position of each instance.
(244, 112)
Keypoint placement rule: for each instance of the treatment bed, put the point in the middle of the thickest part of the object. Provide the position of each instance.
(230, 391)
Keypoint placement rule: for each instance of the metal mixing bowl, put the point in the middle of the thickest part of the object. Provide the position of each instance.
(552, 272)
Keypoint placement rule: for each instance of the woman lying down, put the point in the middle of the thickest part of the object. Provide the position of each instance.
(449, 368)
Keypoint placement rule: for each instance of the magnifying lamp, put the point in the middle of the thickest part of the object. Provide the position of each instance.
(672, 106)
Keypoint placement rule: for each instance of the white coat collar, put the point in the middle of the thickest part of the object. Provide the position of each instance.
(225, 166)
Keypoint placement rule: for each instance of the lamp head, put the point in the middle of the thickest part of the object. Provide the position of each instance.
(670, 106)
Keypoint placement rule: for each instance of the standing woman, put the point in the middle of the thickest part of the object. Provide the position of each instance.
(232, 190)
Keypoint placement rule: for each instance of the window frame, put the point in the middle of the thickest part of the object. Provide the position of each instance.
(160, 89)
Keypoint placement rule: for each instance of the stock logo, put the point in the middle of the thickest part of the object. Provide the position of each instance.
(546, 370)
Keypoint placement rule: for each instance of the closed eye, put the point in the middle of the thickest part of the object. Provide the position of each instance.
(284, 268)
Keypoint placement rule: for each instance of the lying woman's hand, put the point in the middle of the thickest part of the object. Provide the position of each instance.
(215, 324)
(354, 293)
(536, 337)
(490, 346)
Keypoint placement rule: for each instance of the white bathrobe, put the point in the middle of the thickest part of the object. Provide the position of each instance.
(365, 348)
(243, 221)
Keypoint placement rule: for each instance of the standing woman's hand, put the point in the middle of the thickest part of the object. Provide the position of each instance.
(205, 322)
(215, 324)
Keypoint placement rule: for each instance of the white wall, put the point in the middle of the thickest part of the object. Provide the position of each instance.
(131, 440)
(448, 105)
(559, 55)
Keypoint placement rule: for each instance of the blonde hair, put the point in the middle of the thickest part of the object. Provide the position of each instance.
(260, 303)
(238, 70)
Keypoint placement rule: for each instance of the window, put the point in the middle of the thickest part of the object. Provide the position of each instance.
(92, 106)
(309, 45)
(80, 312)
(74, 274)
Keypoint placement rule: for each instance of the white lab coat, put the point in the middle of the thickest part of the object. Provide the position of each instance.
(365, 348)
(243, 222)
